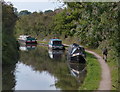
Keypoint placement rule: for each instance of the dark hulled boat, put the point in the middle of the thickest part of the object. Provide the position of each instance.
(76, 53)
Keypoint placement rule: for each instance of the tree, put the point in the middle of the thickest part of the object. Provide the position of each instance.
(9, 45)
(24, 12)
(48, 11)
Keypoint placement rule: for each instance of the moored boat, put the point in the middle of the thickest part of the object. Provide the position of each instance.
(76, 53)
(26, 39)
(56, 44)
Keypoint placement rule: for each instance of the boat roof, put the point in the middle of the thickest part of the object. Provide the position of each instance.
(76, 45)
(55, 40)
(31, 38)
(24, 36)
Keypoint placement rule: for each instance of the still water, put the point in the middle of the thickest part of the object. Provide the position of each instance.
(41, 69)
(27, 78)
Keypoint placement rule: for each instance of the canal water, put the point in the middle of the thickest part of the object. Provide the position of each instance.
(41, 69)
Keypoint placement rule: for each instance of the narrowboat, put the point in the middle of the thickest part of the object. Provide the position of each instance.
(26, 39)
(56, 44)
(31, 40)
(76, 53)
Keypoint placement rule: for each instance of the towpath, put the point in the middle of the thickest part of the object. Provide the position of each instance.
(105, 83)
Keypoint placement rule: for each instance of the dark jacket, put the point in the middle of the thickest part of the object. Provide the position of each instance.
(105, 51)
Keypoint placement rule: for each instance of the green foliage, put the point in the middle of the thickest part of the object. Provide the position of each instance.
(93, 24)
(9, 45)
(48, 11)
(24, 12)
(96, 25)
(8, 77)
(35, 24)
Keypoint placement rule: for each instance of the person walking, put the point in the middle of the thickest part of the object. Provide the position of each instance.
(105, 52)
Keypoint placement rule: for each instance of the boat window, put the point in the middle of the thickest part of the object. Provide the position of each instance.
(57, 42)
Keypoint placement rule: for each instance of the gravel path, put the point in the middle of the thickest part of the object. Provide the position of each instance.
(105, 83)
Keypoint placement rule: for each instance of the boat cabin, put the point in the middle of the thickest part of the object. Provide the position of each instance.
(56, 44)
(31, 40)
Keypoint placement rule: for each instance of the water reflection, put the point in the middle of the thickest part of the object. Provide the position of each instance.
(8, 77)
(39, 60)
(77, 67)
(78, 70)
(27, 47)
(37, 71)
(55, 54)
(27, 78)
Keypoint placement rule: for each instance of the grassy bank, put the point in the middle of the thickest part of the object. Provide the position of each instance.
(93, 76)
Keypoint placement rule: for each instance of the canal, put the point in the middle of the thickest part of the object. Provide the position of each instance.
(39, 68)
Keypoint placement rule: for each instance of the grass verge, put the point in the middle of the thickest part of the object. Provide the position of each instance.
(93, 76)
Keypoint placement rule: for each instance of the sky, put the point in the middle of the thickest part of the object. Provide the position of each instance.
(35, 5)
(41, 5)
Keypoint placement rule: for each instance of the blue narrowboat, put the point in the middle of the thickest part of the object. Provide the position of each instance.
(56, 44)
